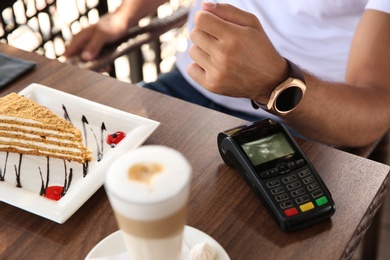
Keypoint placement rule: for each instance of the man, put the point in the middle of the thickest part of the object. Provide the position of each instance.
(338, 50)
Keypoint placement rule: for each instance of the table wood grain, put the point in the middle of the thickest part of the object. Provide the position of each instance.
(221, 204)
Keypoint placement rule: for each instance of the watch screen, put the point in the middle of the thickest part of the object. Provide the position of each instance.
(268, 148)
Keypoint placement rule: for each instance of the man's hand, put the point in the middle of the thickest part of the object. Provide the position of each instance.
(233, 56)
(89, 42)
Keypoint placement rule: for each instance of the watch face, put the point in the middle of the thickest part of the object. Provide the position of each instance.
(289, 99)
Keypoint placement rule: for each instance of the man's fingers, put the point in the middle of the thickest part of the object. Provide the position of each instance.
(202, 39)
(77, 44)
(209, 23)
(197, 73)
(199, 56)
(93, 47)
(231, 14)
(88, 43)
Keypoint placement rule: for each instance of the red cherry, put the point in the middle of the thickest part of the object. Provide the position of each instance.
(115, 138)
(54, 192)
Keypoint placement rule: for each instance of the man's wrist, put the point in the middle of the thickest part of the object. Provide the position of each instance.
(287, 95)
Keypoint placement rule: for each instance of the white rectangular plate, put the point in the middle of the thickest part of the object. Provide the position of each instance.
(34, 170)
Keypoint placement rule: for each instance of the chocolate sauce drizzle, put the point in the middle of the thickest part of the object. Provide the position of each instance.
(2, 174)
(68, 180)
(43, 190)
(17, 172)
(43, 186)
(84, 121)
(102, 129)
(66, 115)
(99, 148)
(85, 168)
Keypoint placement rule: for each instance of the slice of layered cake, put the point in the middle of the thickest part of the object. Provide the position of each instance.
(26, 127)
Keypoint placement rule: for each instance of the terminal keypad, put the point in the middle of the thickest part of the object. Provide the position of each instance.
(294, 190)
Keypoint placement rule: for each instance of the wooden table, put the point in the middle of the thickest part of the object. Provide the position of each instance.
(221, 204)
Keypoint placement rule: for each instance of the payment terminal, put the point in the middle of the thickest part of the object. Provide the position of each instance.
(274, 166)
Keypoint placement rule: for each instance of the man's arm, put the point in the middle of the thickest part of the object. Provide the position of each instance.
(234, 57)
(110, 27)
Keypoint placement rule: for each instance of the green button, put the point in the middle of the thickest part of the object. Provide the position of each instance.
(321, 201)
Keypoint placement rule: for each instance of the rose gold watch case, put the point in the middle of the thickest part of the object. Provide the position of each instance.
(272, 102)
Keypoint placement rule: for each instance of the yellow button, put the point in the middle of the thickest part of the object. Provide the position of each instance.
(307, 206)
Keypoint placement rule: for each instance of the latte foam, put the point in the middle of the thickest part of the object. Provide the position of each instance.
(157, 187)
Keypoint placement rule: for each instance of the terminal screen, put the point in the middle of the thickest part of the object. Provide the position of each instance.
(268, 148)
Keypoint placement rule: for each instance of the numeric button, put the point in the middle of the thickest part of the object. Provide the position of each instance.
(293, 185)
(289, 179)
(304, 173)
(277, 190)
(286, 204)
(272, 184)
(298, 192)
(308, 179)
(281, 197)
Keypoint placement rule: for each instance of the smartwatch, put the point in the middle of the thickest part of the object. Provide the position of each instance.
(287, 95)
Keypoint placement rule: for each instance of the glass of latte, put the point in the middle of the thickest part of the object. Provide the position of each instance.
(148, 189)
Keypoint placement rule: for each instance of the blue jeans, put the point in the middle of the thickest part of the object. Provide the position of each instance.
(174, 84)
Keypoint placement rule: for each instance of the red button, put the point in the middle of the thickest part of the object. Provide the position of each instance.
(290, 212)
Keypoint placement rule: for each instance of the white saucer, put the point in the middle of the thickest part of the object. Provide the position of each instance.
(113, 245)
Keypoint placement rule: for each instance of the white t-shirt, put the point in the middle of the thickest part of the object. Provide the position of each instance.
(315, 35)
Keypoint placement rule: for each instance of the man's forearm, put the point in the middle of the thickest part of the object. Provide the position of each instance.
(357, 112)
(340, 114)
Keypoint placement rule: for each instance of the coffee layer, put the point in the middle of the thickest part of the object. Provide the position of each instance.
(162, 228)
